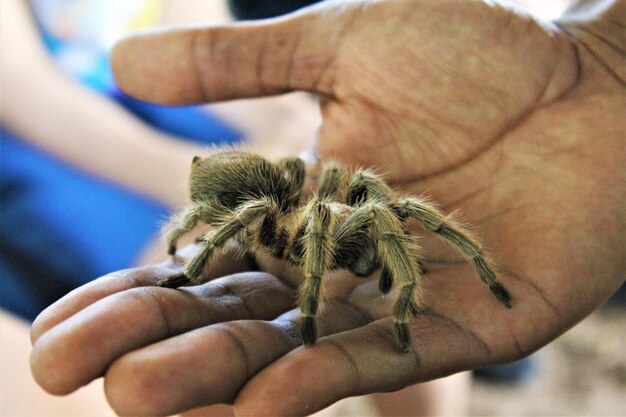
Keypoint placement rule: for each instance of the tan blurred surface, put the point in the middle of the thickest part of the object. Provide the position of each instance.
(19, 394)
(582, 373)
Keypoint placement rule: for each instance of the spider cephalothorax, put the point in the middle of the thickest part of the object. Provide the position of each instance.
(256, 202)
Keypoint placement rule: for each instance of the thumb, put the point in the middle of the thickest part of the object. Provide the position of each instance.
(249, 59)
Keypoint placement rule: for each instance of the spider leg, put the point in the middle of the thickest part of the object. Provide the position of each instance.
(355, 250)
(182, 223)
(271, 236)
(366, 185)
(436, 222)
(244, 216)
(294, 171)
(398, 255)
(173, 281)
(179, 225)
(234, 223)
(386, 281)
(331, 180)
(317, 259)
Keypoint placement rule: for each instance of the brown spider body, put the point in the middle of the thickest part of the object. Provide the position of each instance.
(256, 202)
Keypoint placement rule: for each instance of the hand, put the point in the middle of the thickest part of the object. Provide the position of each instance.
(512, 122)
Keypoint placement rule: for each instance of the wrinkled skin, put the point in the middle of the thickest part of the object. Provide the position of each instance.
(516, 124)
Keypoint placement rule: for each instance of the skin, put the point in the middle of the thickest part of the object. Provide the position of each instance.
(517, 124)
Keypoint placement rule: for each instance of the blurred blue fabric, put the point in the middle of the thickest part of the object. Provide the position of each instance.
(60, 228)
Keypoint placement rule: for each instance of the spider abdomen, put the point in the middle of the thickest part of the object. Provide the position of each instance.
(235, 178)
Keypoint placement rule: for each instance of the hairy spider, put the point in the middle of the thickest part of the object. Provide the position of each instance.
(257, 203)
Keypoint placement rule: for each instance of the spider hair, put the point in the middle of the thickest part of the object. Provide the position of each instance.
(352, 222)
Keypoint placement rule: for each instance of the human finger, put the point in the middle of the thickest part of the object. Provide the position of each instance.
(249, 59)
(227, 262)
(82, 347)
(463, 327)
(358, 362)
(211, 364)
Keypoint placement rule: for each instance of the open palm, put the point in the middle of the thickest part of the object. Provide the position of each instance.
(483, 109)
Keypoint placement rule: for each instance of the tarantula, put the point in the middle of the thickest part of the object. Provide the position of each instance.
(257, 203)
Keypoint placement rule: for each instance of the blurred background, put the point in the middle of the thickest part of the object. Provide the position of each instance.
(86, 170)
